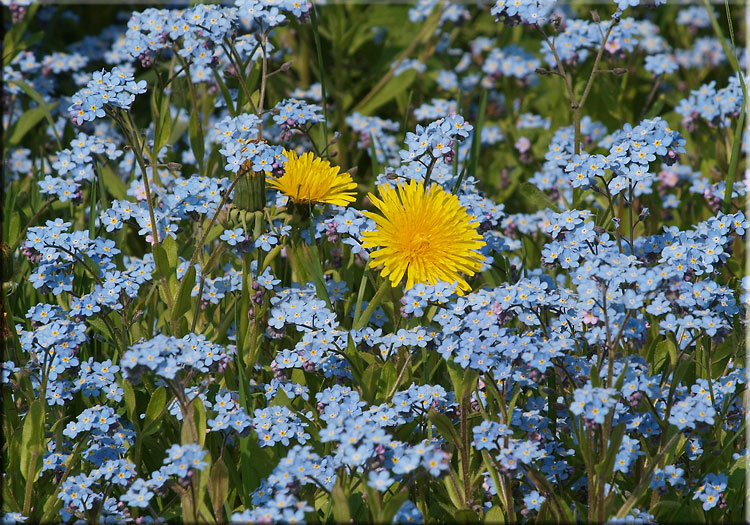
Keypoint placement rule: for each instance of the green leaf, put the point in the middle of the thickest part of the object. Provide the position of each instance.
(170, 248)
(129, 397)
(398, 84)
(341, 513)
(463, 380)
(606, 466)
(308, 256)
(184, 299)
(197, 144)
(321, 69)
(392, 506)
(494, 515)
(369, 382)
(476, 142)
(734, 159)
(218, 487)
(155, 407)
(42, 104)
(225, 93)
(32, 438)
(15, 39)
(466, 516)
(27, 122)
(664, 350)
(199, 418)
(444, 426)
(386, 381)
(281, 399)
(161, 260)
(113, 183)
(163, 122)
(536, 198)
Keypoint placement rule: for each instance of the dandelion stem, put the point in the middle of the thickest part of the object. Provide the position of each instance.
(362, 321)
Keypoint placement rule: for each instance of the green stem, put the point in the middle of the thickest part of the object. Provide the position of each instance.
(135, 142)
(362, 321)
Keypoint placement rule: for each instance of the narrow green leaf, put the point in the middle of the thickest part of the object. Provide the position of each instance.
(218, 487)
(389, 91)
(445, 427)
(536, 198)
(369, 383)
(161, 260)
(606, 466)
(15, 41)
(27, 122)
(155, 407)
(392, 505)
(184, 300)
(163, 122)
(225, 93)
(129, 397)
(388, 376)
(200, 419)
(113, 183)
(42, 104)
(321, 70)
(31, 439)
(341, 513)
(197, 144)
(92, 210)
(734, 160)
(476, 142)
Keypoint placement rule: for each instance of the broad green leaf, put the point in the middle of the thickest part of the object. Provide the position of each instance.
(463, 379)
(466, 516)
(494, 515)
(200, 419)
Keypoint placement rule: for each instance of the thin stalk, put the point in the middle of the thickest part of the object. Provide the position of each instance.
(321, 70)
(224, 200)
(263, 80)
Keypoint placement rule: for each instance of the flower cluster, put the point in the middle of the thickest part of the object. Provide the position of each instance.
(115, 88)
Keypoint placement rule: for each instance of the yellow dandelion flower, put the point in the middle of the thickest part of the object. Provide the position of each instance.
(308, 180)
(425, 234)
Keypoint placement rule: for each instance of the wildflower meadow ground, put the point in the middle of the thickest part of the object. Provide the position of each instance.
(272, 261)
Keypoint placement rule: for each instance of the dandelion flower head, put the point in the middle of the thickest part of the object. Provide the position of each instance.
(423, 233)
(310, 180)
